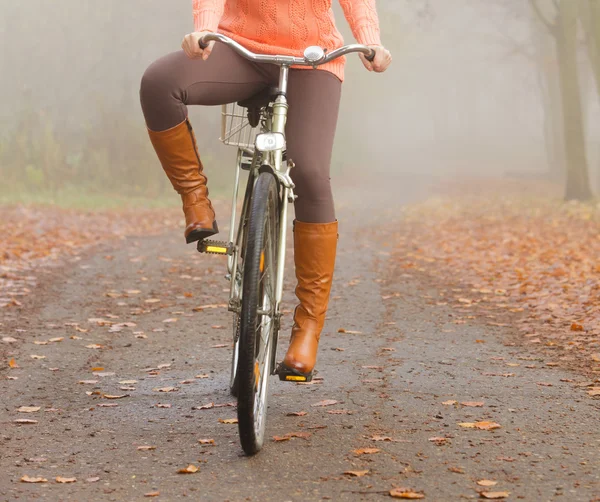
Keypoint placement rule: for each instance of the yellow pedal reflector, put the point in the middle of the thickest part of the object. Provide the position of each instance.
(216, 249)
(262, 261)
(295, 378)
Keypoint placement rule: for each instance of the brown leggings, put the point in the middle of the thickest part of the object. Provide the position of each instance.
(175, 81)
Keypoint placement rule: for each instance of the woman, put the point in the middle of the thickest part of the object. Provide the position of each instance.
(218, 75)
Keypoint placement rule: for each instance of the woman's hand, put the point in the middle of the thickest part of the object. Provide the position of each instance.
(383, 59)
(191, 46)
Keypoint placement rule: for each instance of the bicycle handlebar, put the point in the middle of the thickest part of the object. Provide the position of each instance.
(313, 56)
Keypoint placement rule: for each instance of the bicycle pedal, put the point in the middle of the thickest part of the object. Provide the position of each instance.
(290, 375)
(215, 247)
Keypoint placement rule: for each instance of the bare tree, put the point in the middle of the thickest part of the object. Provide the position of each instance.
(563, 28)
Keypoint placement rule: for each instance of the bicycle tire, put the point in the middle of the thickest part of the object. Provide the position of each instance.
(256, 330)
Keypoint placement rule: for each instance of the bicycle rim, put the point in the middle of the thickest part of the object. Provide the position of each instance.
(257, 317)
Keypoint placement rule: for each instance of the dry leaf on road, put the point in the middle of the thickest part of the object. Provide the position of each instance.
(228, 420)
(25, 421)
(487, 482)
(60, 479)
(405, 493)
(190, 469)
(326, 402)
(356, 474)
(28, 479)
(484, 425)
(28, 409)
(494, 495)
(366, 451)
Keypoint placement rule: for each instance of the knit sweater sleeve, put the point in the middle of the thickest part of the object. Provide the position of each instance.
(363, 20)
(207, 14)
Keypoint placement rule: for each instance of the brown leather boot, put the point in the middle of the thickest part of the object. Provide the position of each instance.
(178, 153)
(314, 255)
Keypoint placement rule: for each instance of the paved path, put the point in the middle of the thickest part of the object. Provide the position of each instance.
(390, 380)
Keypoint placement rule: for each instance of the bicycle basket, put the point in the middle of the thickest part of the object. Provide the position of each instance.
(235, 128)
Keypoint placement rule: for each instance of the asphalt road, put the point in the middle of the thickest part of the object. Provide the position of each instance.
(400, 359)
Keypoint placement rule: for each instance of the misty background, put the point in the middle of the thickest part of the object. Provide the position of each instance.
(474, 89)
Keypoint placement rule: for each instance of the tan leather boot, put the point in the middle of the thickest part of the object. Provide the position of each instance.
(314, 255)
(178, 153)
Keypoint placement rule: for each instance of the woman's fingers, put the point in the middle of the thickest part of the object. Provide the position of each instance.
(383, 59)
(191, 46)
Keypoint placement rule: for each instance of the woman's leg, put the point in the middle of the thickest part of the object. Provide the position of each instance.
(168, 86)
(314, 98)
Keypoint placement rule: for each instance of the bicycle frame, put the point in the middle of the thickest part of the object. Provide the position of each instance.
(273, 121)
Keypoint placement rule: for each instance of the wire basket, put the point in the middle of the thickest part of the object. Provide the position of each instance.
(235, 128)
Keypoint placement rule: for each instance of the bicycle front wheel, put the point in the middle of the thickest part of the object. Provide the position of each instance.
(258, 313)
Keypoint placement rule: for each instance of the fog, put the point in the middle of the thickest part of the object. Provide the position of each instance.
(470, 92)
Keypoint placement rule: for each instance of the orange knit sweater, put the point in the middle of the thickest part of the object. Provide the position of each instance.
(288, 26)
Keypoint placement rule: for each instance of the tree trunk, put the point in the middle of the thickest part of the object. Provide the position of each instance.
(549, 83)
(578, 184)
(590, 19)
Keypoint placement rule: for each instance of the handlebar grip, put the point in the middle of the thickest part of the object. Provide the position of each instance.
(203, 45)
(371, 57)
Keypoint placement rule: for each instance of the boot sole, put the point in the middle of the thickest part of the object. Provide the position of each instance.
(199, 234)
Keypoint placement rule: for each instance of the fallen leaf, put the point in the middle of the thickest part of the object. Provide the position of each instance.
(228, 420)
(107, 405)
(281, 438)
(405, 493)
(28, 409)
(297, 414)
(438, 440)
(380, 438)
(576, 327)
(449, 403)
(110, 396)
(170, 320)
(28, 479)
(34, 356)
(206, 441)
(159, 405)
(60, 479)
(472, 404)
(152, 300)
(166, 389)
(127, 382)
(494, 495)
(485, 425)
(366, 451)
(326, 402)
(57, 339)
(146, 448)
(457, 470)
(349, 332)
(190, 469)
(152, 494)
(25, 421)
(94, 346)
(339, 412)
(205, 406)
(202, 376)
(98, 368)
(219, 346)
(356, 474)
(487, 482)
(9, 339)
(93, 479)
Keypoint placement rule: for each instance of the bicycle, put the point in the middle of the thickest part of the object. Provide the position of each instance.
(256, 252)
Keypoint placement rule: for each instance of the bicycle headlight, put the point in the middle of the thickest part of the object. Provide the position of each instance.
(270, 142)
